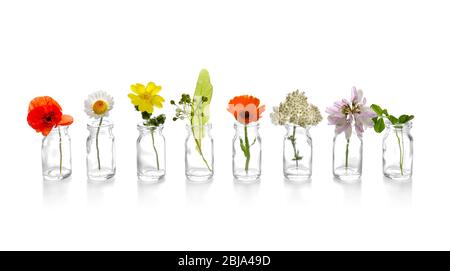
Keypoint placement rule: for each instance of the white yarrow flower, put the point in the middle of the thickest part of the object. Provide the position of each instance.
(296, 110)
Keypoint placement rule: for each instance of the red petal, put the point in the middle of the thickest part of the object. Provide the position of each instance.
(66, 120)
(43, 101)
(46, 131)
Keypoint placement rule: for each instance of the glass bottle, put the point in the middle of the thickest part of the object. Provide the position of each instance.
(297, 153)
(199, 153)
(151, 153)
(100, 146)
(347, 157)
(247, 152)
(57, 154)
(398, 151)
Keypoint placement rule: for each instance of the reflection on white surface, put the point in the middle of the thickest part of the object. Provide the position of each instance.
(352, 192)
(148, 192)
(298, 192)
(246, 192)
(96, 190)
(56, 192)
(399, 193)
(196, 192)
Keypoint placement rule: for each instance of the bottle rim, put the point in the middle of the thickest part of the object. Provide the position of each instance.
(56, 128)
(407, 125)
(142, 127)
(189, 126)
(287, 125)
(250, 125)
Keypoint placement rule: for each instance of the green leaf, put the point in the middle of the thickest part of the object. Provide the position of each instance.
(202, 96)
(200, 103)
(392, 119)
(377, 109)
(244, 150)
(405, 118)
(379, 125)
(374, 120)
(146, 115)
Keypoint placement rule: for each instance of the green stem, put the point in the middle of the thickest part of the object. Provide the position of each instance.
(197, 142)
(96, 143)
(346, 154)
(247, 148)
(293, 140)
(60, 151)
(154, 148)
(401, 151)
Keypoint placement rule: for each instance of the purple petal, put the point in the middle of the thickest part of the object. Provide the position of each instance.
(359, 128)
(360, 96)
(354, 94)
(331, 110)
(336, 120)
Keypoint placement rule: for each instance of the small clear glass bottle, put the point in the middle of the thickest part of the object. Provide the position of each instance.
(151, 153)
(100, 147)
(247, 152)
(297, 153)
(199, 153)
(56, 155)
(398, 151)
(347, 157)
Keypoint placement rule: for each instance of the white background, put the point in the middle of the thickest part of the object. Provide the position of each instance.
(398, 52)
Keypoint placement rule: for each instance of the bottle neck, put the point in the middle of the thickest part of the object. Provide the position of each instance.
(252, 128)
(100, 126)
(148, 129)
(199, 128)
(291, 128)
(59, 131)
(399, 128)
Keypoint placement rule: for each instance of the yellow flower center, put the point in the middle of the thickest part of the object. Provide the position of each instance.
(100, 107)
(146, 97)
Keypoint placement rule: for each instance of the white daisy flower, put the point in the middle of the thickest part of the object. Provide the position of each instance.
(98, 104)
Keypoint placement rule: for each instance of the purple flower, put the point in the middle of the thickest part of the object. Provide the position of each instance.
(345, 114)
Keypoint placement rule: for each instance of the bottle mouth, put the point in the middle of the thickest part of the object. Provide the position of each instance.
(407, 125)
(252, 124)
(56, 130)
(143, 127)
(288, 125)
(96, 123)
(189, 126)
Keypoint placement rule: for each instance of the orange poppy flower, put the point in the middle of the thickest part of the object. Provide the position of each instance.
(44, 114)
(245, 109)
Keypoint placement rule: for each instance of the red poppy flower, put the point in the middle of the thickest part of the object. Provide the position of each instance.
(245, 109)
(44, 114)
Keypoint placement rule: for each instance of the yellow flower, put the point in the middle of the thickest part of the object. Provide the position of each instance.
(146, 97)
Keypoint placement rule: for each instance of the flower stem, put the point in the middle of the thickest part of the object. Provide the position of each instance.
(96, 143)
(199, 148)
(247, 148)
(346, 153)
(293, 141)
(156, 152)
(401, 151)
(60, 151)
